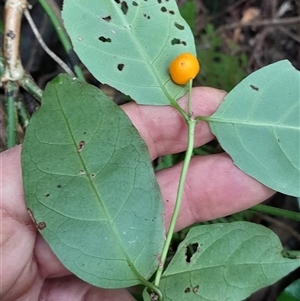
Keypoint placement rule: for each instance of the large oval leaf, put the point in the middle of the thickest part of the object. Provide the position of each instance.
(89, 184)
(258, 125)
(130, 44)
(225, 262)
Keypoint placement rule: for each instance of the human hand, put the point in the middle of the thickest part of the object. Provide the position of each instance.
(214, 187)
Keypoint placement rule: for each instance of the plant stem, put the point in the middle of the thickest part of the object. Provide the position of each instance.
(179, 109)
(191, 130)
(153, 288)
(59, 28)
(23, 114)
(189, 99)
(291, 254)
(276, 211)
(11, 90)
(31, 87)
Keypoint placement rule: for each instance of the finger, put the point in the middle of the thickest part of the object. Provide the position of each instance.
(214, 188)
(71, 288)
(164, 129)
(11, 185)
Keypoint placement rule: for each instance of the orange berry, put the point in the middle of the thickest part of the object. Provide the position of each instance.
(183, 68)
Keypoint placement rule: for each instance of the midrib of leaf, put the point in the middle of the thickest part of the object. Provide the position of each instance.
(96, 192)
(142, 51)
(252, 124)
(196, 269)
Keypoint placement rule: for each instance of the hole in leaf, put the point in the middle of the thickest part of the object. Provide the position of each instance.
(180, 27)
(163, 9)
(171, 12)
(47, 195)
(117, 1)
(58, 186)
(107, 19)
(81, 146)
(254, 87)
(176, 41)
(41, 225)
(124, 7)
(191, 249)
(195, 289)
(135, 3)
(120, 67)
(146, 16)
(93, 175)
(187, 290)
(104, 39)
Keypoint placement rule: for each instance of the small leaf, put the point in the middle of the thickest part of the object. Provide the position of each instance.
(258, 125)
(225, 262)
(90, 186)
(130, 44)
(291, 293)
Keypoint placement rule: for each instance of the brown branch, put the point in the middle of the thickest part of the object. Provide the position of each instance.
(290, 34)
(13, 16)
(259, 23)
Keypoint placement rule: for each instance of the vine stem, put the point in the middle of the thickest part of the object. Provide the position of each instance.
(11, 91)
(54, 16)
(276, 212)
(191, 123)
(291, 254)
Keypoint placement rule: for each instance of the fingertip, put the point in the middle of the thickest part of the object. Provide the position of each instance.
(164, 130)
(206, 100)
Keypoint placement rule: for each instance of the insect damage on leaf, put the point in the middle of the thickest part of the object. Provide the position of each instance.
(81, 145)
(254, 87)
(40, 225)
(191, 249)
(120, 67)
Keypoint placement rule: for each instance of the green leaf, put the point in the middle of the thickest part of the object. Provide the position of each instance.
(130, 44)
(291, 293)
(225, 262)
(258, 125)
(90, 186)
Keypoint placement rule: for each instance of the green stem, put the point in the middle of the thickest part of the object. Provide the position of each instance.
(176, 106)
(23, 114)
(30, 86)
(153, 288)
(276, 212)
(204, 118)
(190, 99)
(59, 28)
(191, 129)
(291, 254)
(11, 90)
